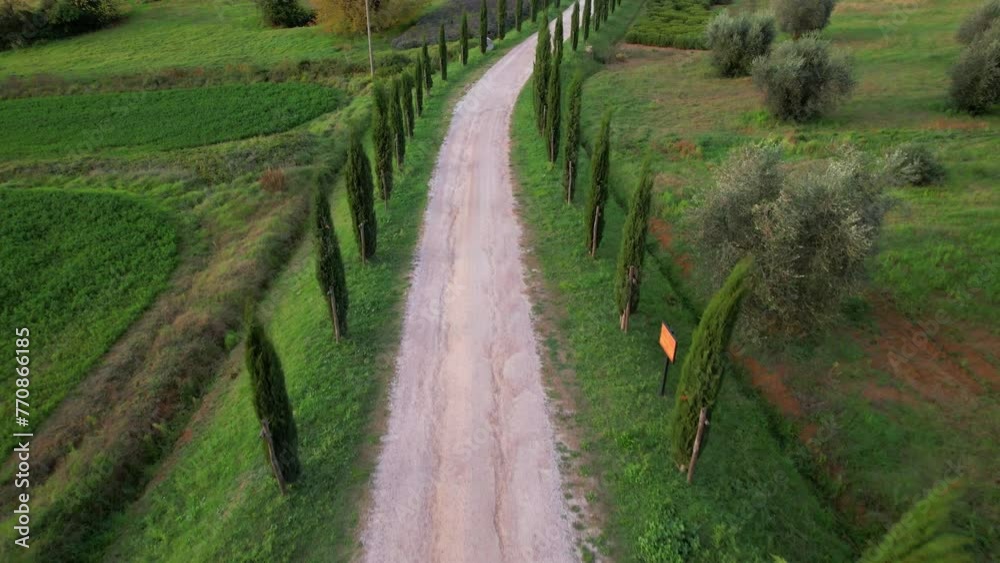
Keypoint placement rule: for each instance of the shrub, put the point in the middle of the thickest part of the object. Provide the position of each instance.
(913, 165)
(979, 22)
(801, 80)
(799, 17)
(736, 41)
(273, 180)
(975, 78)
(671, 23)
(330, 265)
(285, 13)
(600, 177)
(809, 235)
(633, 251)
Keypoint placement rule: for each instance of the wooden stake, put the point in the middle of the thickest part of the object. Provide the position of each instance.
(702, 421)
(593, 235)
(569, 186)
(336, 319)
(265, 433)
(364, 259)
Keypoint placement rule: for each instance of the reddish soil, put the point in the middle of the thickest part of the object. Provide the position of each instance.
(664, 233)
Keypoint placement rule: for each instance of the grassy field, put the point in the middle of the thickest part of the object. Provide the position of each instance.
(158, 120)
(880, 397)
(76, 268)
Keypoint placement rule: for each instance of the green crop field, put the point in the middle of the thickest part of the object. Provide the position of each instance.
(76, 268)
(157, 120)
(672, 23)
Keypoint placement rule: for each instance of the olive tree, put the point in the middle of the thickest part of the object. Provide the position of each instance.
(736, 41)
(802, 80)
(799, 17)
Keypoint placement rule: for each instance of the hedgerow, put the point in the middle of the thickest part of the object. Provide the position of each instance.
(672, 23)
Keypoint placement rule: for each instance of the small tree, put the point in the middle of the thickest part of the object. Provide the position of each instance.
(979, 22)
(587, 9)
(428, 69)
(465, 38)
(518, 13)
(330, 265)
(501, 19)
(600, 176)
(924, 534)
(270, 399)
(279, 13)
(540, 75)
(382, 140)
(553, 111)
(574, 25)
(557, 42)
(483, 26)
(419, 74)
(801, 80)
(633, 251)
(573, 136)
(799, 17)
(398, 122)
(736, 41)
(705, 362)
(975, 78)
(407, 101)
(443, 53)
(361, 197)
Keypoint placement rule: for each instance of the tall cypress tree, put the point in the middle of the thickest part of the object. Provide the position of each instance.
(398, 122)
(407, 101)
(553, 110)
(573, 136)
(633, 251)
(330, 265)
(501, 19)
(597, 15)
(270, 399)
(483, 26)
(574, 25)
(540, 74)
(705, 362)
(465, 38)
(382, 140)
(611, 5)
(599, 186)
(534, 11)
(586, 19)
(518, 13)
(428, 69)
(419, 72)
(361, 196)
(443, 53)
(557, 42)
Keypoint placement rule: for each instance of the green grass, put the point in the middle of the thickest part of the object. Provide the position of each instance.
(76, 268)
(157, 120)
(173, 33)
(672, 23)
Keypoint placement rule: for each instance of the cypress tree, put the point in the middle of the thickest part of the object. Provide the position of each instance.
(419, 72)
(443, 54)
(599, 186)
(705, 362)
(465, 38)
(557, 42)
(483, 26)
(611, 4)
(586, 19)
(557, 5)
(543, 58)
(633, 251)
(361, 197)
(398, 122)
(407, 102)
(553, 110)
(382, 140)
(428, 69)
(270, 399)
(597, 15)
(534, 11)
(330, 266)
(573, 136)
(518, 13)
(574, 25)
(922, 535)
(501, 19)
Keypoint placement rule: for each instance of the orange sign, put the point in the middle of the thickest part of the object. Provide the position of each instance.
(667, 341)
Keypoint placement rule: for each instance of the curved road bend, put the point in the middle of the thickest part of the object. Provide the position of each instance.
(468, 470)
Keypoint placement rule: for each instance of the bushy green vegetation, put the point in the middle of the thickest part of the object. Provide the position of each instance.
(736, 41)
(286, 13)
(912, 164)
(803, 79)
(975, 78)
(23, 23)
(157, 120)
(672, 23)
(76, 268)
(798, 17)
(979, 22)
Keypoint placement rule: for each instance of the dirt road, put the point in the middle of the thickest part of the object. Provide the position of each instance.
(468, 469)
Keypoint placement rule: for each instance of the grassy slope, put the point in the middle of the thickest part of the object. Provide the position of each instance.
(749, 501)
(158, 120)
(203, 507)
(77, 269)
(936, 262)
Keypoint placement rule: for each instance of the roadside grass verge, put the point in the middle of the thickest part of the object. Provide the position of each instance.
(76, 269)
(158, 120)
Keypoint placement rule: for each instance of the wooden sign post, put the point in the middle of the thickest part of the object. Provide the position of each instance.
(669, 345)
